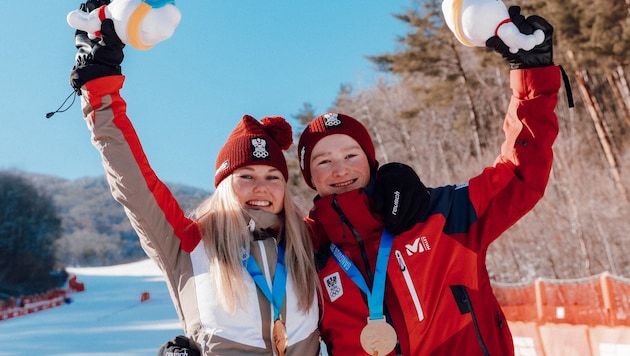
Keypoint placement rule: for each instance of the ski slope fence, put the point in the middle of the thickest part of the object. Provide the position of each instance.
(24, 305)
(14, 308)
(581, 317)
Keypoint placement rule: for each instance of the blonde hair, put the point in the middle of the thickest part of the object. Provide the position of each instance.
(225, 234)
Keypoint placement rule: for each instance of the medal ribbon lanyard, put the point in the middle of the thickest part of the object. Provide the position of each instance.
(277, 293)
(377, 294)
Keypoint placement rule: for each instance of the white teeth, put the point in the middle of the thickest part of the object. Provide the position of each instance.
(259, 203)
(343, 184)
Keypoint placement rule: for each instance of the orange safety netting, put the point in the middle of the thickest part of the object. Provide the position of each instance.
(602, 300)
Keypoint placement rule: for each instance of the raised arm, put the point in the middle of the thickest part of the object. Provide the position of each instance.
(503, 193)
(155, 215)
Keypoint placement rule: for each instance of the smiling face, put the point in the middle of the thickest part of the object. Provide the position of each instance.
(338, 165)
(259, 187)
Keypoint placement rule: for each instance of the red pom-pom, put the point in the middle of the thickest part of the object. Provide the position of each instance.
(279, 130)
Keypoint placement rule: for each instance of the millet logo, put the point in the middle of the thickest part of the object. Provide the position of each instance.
(419, 245)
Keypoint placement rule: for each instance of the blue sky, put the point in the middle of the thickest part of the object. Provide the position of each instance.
(226, 59)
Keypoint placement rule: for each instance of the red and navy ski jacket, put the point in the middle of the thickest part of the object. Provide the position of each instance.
(438, 295)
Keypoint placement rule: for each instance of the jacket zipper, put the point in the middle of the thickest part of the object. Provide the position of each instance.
(410, 286)
(465, 306)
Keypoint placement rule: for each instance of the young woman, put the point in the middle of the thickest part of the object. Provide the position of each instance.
(240, 270)
(425, 291)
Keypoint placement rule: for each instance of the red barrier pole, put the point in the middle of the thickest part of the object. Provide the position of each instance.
(539, 287)
(609, 299)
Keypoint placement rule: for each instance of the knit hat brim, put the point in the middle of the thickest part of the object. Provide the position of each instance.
(254, 142)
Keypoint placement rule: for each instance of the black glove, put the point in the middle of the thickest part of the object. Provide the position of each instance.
(539, 56)
(180, 345)
(92, 5)
(98, 57)
(400, 197)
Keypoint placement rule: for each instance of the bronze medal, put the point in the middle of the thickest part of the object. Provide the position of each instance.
(378, 338)
(280, 338)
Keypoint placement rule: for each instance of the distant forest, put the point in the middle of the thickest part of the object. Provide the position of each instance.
(94, 228)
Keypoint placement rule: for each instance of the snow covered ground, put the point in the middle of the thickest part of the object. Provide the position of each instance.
(107, 319)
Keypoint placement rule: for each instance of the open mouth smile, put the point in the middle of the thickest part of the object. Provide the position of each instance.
(259, 203)
(344, 184)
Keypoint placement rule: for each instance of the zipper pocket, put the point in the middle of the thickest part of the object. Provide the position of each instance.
(465, 306)
(410, 286)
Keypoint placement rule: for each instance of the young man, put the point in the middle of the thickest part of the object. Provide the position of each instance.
(425, 291)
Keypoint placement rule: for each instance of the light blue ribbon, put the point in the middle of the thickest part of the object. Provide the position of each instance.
(276, 295)
(377, 294)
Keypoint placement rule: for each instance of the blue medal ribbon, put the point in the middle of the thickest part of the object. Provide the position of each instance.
(377, 294)
(275, 296)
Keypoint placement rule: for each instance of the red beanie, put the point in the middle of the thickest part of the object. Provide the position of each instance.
(330, 124)
(253, 142)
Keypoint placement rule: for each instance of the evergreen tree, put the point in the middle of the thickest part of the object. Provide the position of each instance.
(445, 67)
(29, 227)
(306, 114)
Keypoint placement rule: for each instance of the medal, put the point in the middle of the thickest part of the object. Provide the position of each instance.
(378, 338)
(280, 338)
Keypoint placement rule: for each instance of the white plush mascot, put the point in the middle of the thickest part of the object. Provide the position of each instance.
(474, 21)
(139, 23)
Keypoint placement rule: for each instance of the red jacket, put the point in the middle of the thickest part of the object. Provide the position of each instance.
(438, 295)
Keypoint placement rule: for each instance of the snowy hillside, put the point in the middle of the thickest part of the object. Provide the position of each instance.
(107, 319)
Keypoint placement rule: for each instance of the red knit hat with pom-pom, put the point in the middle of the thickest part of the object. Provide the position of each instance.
(255, 142)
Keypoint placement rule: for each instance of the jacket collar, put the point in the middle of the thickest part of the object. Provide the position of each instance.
(263, 224)
(339, 214)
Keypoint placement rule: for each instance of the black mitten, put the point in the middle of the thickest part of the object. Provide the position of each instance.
(97, 57)
(180, 345)
(539, 56)
(400, 197)
(92, 5)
